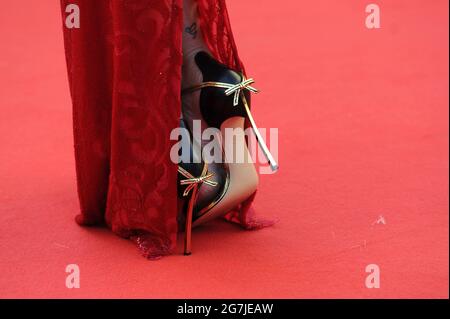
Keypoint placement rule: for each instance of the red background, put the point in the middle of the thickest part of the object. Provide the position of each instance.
(363, 123)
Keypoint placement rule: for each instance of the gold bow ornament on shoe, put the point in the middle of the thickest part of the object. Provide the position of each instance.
(193, 182)
(237, 88)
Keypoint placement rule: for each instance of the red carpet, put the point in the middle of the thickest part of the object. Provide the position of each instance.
(363, 122)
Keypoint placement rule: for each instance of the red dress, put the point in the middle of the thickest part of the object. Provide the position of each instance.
(124, 66)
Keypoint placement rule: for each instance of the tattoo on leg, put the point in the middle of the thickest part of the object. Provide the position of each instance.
(192, 30)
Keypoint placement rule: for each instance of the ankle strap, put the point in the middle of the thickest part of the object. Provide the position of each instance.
(230, 88)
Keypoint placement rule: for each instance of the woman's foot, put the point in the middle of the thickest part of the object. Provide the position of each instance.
(241, 178)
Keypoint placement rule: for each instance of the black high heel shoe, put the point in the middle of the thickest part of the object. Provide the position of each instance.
(223, 102)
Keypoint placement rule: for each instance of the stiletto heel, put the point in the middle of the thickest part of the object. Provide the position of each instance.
(191, 177)
(189, 215)
(192, 185)
(188, 227)
(273, 164)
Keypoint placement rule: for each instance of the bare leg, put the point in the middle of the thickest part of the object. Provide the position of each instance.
(192, 43)
(192, 35)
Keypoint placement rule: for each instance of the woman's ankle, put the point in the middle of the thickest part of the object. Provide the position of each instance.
(192, 36)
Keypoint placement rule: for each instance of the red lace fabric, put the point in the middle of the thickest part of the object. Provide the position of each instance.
(216, 28)
(124, 67)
